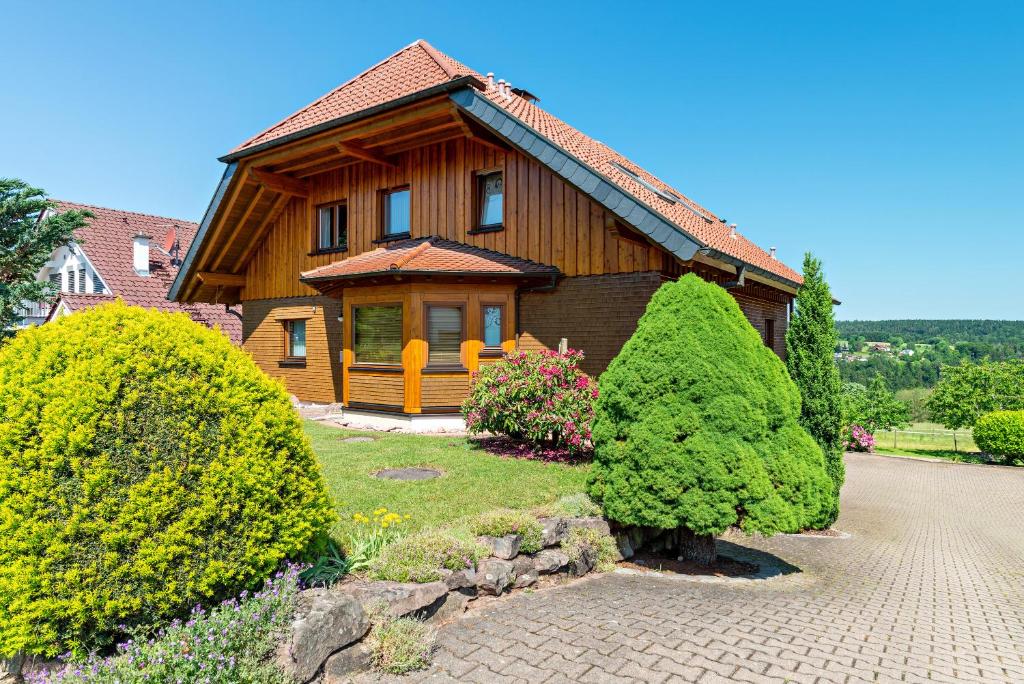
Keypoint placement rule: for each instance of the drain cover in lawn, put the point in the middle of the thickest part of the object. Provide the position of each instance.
(408, 473)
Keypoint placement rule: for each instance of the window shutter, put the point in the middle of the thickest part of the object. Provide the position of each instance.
(97, 284)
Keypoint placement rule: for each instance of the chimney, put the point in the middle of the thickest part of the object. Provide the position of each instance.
(732, 230)
(490, 80)
(140, 253)
(501, 86)
(771, 253)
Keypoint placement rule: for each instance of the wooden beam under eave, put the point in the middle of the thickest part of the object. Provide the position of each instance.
(278, 182)
(215, 279)
(360, 152)
(478, 134)
(261, 229)
(233, 235)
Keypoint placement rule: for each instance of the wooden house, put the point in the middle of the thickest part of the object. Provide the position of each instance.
(422, 218)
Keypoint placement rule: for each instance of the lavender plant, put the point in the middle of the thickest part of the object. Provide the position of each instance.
(231, 643)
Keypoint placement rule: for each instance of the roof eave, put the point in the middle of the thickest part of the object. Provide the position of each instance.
(200, 237)
(575, 171)
(434, 273)
(440, 89)
(751, 268)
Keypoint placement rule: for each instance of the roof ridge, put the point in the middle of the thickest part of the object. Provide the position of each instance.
(122, 211)
(437, 56)
(314, 103)
(411, 254)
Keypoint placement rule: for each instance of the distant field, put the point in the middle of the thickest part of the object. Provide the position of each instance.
(922, 437)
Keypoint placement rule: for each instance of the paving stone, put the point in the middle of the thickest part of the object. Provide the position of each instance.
(927, 588)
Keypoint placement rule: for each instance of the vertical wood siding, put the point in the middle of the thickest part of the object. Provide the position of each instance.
(546, 220)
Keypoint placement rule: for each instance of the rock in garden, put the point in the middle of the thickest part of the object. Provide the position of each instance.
(553, 531)
(550, 560)
(525, 579)
(493, 576)
(505, 547)
(324, 622)
(593, 523)
(522, 563)
(453, 606)
(625, 546)
(460, 579)
(340, 666)
(585, 563)
(402, 598)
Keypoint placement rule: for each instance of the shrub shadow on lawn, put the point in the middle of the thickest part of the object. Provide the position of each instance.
(506, 447)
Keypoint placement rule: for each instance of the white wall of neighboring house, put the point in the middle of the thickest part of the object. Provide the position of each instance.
(72, 273)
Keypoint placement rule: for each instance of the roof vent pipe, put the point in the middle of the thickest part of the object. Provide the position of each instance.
(732, 230)
(772, 253)
(490, 80)
(140, 253)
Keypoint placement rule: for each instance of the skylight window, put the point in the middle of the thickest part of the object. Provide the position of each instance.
(668, 195)
(656, 190)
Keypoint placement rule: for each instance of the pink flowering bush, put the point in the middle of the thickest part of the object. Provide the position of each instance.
(858, 439)
(538, 398)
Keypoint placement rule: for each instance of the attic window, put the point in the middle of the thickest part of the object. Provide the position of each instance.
(668, 197)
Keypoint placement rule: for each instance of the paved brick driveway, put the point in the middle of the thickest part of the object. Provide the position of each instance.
(930, 587)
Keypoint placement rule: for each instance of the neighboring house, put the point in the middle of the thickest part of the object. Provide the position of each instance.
(906, 352)
(885, 347)
(122, 254)
(422, 218)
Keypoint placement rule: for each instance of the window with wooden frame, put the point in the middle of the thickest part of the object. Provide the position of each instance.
(331, 227)
(492, 328)
(294, 341)
(446, 330)
(769, 332)
(396, 213)
(489, 201)
(377, 333)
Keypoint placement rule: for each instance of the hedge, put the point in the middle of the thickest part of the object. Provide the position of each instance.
(146, 465)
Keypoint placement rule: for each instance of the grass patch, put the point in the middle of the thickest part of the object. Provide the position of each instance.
(399, 645)
(927, 436)
(473, 481)
(946, 454)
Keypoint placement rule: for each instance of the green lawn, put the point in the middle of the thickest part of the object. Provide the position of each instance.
(924, 437)
(947, 454)
(473, 480)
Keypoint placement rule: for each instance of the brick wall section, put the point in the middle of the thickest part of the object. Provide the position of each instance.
(599, 313)
(594, 313)
(263, 338)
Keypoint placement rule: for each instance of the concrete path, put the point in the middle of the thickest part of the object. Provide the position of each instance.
(930, 587)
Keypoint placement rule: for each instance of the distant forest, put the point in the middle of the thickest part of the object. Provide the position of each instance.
(935, 343)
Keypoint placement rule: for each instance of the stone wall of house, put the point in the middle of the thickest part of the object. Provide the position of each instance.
(599, 313)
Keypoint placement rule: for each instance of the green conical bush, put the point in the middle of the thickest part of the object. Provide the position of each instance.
(697, 428)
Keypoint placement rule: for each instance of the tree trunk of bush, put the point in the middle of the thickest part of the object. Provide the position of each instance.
(699, 548)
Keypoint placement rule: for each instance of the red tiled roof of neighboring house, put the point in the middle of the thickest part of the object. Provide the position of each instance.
(420, 66)
(106, 241)
(430, 255)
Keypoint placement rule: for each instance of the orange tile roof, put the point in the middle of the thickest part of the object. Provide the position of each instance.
(420, 66)
(106, 241)
(429, 255)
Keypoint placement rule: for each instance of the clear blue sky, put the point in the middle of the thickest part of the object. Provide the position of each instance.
(885, 137)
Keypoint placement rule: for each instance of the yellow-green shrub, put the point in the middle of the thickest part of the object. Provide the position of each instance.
(146, 465)
(1001, 433)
